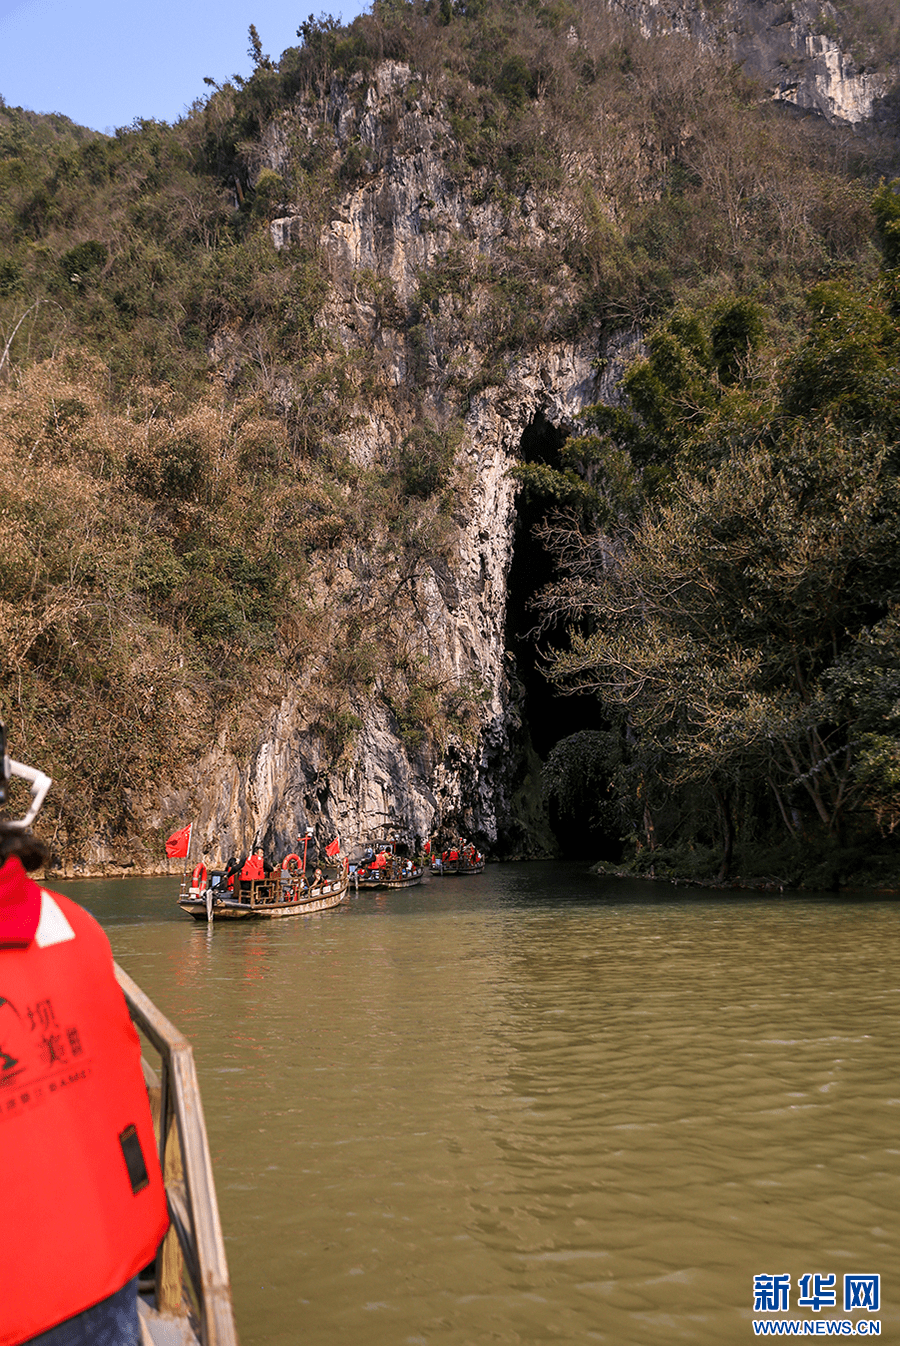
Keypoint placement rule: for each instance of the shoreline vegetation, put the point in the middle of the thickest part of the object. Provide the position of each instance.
(772, 884)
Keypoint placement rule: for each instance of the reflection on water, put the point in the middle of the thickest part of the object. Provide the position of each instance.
(533, 1105)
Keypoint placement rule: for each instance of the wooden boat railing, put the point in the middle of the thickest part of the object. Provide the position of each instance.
(272, 887)
(268, 891)
(190, 1286)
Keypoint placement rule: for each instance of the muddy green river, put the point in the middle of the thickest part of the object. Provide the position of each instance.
(537, 1106)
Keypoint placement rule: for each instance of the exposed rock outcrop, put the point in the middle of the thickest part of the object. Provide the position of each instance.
(487, 788)
(799, 51)
(404, 211)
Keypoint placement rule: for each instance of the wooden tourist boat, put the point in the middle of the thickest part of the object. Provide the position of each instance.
(387, 869)
(217, 895)
(460, 858)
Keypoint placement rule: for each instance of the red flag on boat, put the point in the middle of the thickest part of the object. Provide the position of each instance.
(427, 848)
(334, 847)
(179, 843)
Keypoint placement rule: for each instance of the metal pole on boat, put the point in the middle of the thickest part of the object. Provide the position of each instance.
(209, 905)
(187, 859)
(309, 833)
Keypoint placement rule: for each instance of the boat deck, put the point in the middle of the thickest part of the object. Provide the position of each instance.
(159, 1329)
(269, 897)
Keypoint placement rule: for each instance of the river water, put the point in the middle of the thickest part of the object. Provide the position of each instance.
(534, 1105)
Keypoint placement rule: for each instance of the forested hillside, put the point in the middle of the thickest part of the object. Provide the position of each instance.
(235, 461)
(730, 583)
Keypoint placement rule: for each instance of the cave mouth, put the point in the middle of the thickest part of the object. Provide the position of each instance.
(548, 715)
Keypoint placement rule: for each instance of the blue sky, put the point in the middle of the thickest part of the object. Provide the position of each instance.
(106, 63)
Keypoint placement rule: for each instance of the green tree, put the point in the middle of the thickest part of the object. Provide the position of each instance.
(255, 52)
(728, 630)
(886, 208)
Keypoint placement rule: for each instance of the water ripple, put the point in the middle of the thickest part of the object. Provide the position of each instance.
(540, 1107)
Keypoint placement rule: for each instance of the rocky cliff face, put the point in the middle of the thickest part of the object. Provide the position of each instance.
(405, 210)
(290, 783)
(799, 51)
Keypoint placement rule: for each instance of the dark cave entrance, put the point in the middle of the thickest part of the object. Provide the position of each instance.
(549, 715)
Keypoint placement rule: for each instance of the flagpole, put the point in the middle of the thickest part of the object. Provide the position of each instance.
(188, 851)
(305, 846)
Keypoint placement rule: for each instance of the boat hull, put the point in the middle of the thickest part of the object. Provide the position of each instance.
(387, 880)
(411, 882)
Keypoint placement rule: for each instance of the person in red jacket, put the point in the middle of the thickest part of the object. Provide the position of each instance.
(83, 1203)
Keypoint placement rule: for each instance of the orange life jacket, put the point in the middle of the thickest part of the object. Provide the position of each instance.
(82, 1196)
(253, 868)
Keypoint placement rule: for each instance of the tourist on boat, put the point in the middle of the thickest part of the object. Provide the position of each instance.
(82, 1189)
(317, 878)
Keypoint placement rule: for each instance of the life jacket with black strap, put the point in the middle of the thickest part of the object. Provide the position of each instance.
(81, 1192)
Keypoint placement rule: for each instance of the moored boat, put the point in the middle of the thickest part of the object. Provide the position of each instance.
(257, 894)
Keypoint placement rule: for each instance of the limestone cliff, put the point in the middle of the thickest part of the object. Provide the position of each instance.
(417, 230)
(402, 215)
(800, 52)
